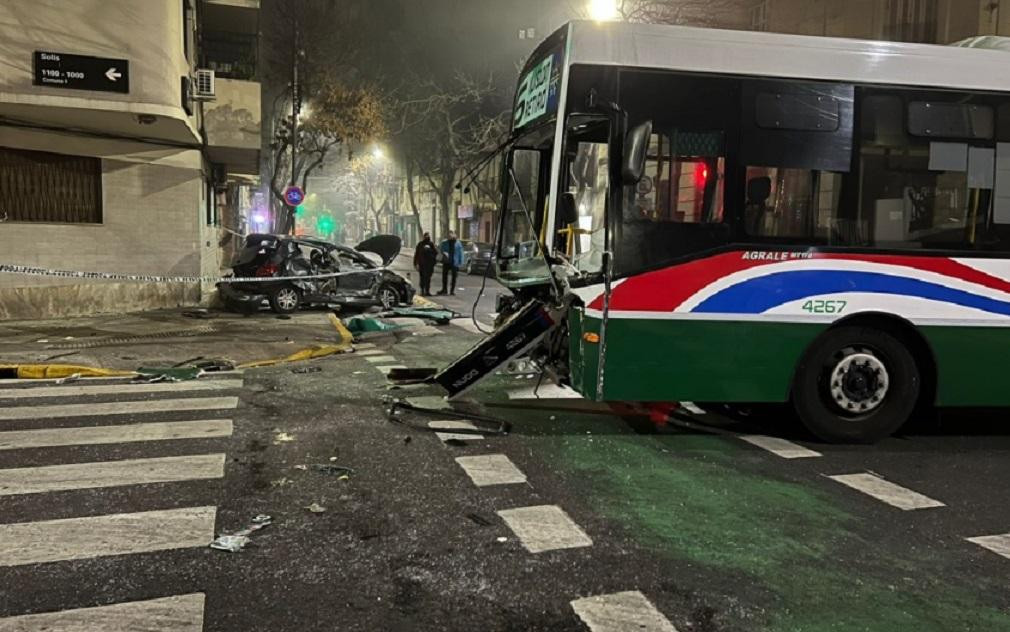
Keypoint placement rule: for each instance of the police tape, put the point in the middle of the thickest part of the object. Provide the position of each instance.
(152, 278)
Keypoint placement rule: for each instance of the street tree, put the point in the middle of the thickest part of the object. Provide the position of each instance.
(442, 128)
(706, 13)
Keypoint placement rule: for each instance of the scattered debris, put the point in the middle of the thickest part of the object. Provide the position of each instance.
(61, 355)
(455, 443)
(187, 362)
(303, 468)
(412, 376)
(283, 437)
(304, 370)
(479, 519)
(169, 374)
(235, 542)
(316, 508)
(197, 313)
(330, 468)
(482, 425)
(437, 315)
(407, 439)
(281, 482)
(283, 317)
(69, 379)
(503, 539)
(366, 324)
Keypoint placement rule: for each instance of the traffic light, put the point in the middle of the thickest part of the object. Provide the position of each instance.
(324, 225)
(300, 210)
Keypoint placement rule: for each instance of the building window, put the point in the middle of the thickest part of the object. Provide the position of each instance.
(42, 187)
(911, 21)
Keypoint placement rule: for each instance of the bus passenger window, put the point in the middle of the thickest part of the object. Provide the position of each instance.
(785, 202)
(684, 176)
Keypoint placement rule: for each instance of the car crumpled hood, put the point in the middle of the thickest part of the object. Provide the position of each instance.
(386, 246)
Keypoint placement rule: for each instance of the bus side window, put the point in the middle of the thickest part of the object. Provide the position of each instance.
(684, 178)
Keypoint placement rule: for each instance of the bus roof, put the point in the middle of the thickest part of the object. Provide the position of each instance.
(787, 56)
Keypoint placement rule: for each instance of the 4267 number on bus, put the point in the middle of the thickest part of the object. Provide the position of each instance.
(825, 307)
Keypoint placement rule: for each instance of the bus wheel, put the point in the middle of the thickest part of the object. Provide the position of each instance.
(856, 385)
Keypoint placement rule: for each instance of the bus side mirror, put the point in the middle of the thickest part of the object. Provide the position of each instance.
(636, 148)
(569, 212)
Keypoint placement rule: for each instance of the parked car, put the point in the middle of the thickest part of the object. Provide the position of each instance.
(478, 257)
(283, 256)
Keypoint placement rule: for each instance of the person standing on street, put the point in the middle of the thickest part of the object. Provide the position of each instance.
(452, 260)
(425, 258)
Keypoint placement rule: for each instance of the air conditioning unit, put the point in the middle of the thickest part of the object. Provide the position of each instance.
(203, 85)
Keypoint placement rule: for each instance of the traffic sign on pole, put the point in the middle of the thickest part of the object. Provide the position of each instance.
(294, 196)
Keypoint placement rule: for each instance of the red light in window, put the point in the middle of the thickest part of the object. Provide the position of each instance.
(700, 175)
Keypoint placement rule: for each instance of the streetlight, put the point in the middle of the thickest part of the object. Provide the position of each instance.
(378, 153)
(603, 10)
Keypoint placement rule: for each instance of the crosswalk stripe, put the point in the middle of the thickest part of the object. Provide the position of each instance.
(780, 447)
(491, 469)
(621, 612)
(116, 408)
(545, 528)
(183, 613)
(364, 345)
(105, 435)
(55, 478)
(887, 492)
(101, 536)
(369, 352)
(544, 391)
(998, 544)
(381, 359)
(449, 425)
(119, 389)
(386, 370)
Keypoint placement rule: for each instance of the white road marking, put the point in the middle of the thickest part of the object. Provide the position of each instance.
(692, 408)
(381, 359)
(116, 408)
(427, 330)
(56, 478)
(119, 389)
(450, 425)
(621, 612)
(884, 491)
(183, 613)
(364, 345)
(546, 391)
(998, 544)
(386, 370)
(104, 435)
(101, 536)
(545, 528)
(467, 324)
(491, 469)
(369, 352)
(780, 447)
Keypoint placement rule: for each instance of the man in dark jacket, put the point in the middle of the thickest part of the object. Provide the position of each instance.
(425, 257)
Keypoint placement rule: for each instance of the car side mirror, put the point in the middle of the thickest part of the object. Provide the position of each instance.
(568, 210)
(636, 149)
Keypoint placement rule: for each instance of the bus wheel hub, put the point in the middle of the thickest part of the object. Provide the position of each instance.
(859, 383)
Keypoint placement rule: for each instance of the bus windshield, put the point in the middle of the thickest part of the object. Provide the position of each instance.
(527, 178)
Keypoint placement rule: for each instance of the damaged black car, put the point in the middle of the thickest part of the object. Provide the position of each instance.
(364, 279)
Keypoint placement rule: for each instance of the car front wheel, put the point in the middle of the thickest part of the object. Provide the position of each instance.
(388, 296)
(856, 385)
(285, 300)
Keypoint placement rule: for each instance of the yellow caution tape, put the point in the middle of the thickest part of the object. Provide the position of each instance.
(311, 353)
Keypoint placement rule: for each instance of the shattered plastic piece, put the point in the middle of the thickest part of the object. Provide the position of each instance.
(345, 477)
(316, 508)
(302, 467)
(503, 539)
(230, 543)
(283, 437)
(69, 379)
(307, 369)
(365, 324)
(235, 542)
(280, 482)
(173, 374)
(330, 468)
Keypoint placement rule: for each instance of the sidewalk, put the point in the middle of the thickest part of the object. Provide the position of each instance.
(163, 338)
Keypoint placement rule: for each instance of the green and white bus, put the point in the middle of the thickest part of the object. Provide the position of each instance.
(735, 217)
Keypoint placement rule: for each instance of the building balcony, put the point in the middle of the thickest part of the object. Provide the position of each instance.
(233, 124)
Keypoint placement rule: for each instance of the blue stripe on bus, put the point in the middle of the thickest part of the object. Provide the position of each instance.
(761, 294)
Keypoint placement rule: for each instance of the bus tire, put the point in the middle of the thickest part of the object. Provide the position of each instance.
(856, 385)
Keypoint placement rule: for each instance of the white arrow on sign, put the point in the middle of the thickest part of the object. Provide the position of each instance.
(112, 74)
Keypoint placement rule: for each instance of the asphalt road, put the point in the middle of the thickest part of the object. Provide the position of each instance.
(571, 518)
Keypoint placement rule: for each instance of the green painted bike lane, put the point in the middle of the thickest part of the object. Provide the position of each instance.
(698, 499)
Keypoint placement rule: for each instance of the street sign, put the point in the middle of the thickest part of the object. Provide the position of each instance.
(81, 72)
(294, 196)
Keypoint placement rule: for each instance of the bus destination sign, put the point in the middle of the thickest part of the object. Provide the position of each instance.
(81, 72)
(539, 92)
